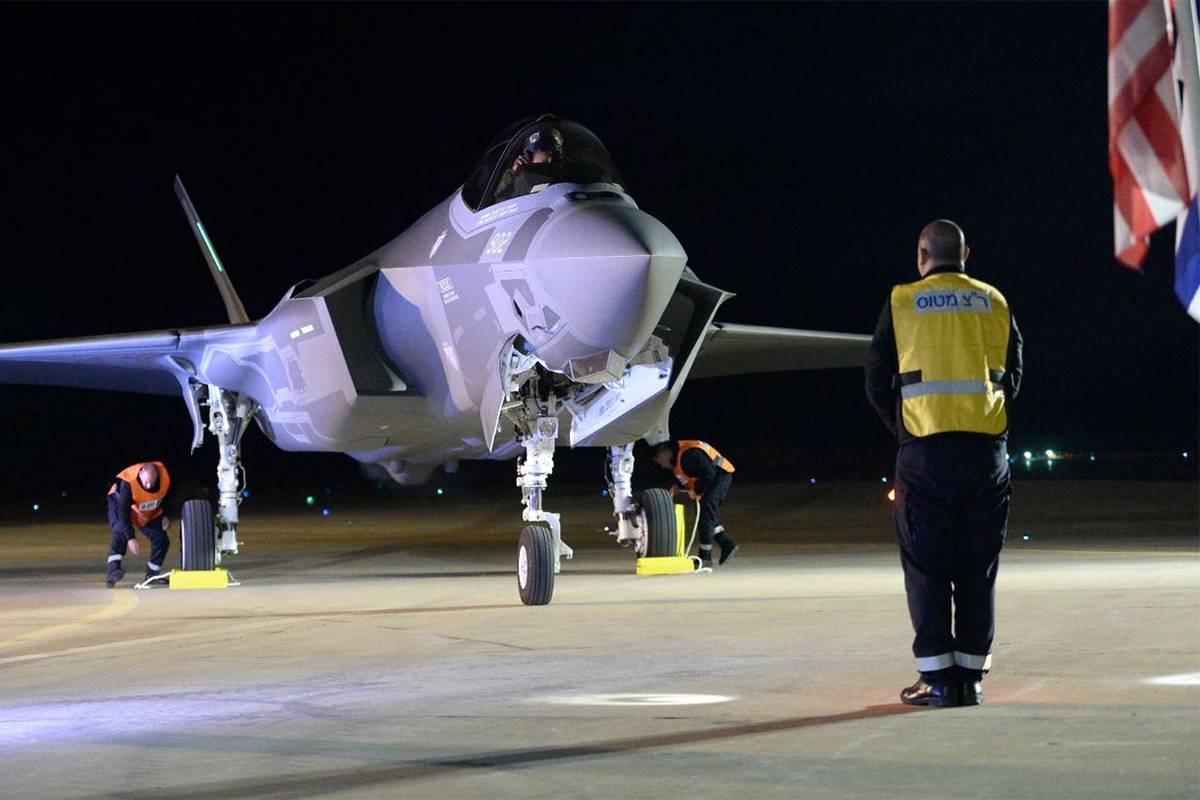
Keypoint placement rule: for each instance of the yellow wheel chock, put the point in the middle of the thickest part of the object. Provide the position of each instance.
(677, 564)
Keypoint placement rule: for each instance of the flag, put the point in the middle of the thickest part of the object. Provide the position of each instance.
(1187, 226)
(1145, 152)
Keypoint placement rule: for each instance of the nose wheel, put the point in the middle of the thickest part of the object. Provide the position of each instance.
(535, 565)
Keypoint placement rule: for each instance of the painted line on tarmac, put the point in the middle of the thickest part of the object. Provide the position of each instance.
(121, 603)
(652, 700)
(166, 637)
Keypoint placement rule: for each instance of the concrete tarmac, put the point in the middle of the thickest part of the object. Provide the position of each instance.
(383, 652)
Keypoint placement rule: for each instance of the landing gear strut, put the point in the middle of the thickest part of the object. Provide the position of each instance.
(541, 550)
(229, 414)
(631, 528)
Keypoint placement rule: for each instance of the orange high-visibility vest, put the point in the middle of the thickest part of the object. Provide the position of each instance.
(147, 506)
(718, 460)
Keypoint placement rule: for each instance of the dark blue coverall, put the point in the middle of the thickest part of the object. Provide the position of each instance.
(120, 522)
(951, 517)
(712, 485)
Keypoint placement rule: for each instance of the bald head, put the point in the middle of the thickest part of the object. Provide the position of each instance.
(941, 243)
(148, 476)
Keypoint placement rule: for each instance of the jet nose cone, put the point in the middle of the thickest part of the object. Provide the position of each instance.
(611, 270)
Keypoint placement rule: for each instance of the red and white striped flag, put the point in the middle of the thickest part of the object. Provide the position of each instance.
(1144, 149)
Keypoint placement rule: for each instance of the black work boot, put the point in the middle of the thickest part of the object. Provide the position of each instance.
(114, 576)
(706, 558)
(728, 547)
(971, 693)
(938, 695)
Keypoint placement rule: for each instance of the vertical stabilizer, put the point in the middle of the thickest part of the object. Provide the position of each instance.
(229, 295)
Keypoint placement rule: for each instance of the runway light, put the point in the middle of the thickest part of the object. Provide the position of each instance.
(1049, 454)
(606, 529)
(883, 479)
(63, 493)
(892, 495)
(1025, 537)
(37, 507)
(1185, 454)
(441, 491)
(812, 481)
(1028, 455)
(1092, 457)
(325, 512)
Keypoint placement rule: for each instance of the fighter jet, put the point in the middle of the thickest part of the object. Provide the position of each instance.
(536, 307)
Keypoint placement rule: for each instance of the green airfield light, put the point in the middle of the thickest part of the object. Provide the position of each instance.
(1028, 455)
(310, 500)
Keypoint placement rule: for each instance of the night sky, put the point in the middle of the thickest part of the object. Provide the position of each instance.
(796, 151)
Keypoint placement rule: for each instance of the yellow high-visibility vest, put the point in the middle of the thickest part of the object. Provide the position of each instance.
(952, 342)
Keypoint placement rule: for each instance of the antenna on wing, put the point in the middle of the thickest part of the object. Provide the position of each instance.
(233, 303)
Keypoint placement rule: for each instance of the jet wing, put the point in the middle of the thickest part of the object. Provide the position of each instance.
(731, 349)
(146, 363)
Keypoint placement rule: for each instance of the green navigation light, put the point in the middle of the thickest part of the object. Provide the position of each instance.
(207, 243)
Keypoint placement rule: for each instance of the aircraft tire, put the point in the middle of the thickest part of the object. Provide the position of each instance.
(535, 565)
(198, 536)
(661, 537)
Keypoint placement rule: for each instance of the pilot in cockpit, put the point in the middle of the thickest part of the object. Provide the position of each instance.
(535, 166)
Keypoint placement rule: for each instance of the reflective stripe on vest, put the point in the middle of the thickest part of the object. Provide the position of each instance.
(951, 344)
(146, 506)
(719, 461)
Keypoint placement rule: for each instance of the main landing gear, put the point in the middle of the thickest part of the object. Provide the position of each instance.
(206, 537)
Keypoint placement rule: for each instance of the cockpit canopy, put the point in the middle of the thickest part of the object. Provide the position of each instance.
(535, 153)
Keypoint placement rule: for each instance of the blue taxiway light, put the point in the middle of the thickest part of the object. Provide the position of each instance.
(325, 512)
(812, 481)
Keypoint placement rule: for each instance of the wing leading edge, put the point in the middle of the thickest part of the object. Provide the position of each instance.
(731, 349)
(129, 362)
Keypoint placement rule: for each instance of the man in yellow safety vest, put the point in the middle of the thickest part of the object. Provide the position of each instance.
(942, 368)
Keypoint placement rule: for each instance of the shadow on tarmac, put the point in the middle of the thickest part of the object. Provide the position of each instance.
(319, 783)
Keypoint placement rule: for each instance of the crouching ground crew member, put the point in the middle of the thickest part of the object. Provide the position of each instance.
(707, 476)
(136, 498)
(943, 366)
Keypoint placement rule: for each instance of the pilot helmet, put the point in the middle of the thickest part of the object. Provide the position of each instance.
(544, 140)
